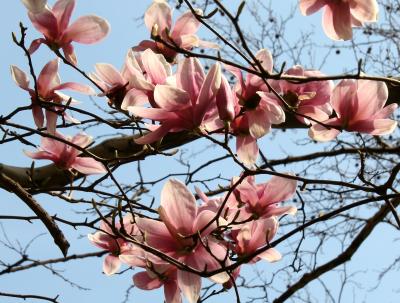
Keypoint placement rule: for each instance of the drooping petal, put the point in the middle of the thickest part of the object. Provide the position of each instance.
(258, 122)
(247, 149)
(51, 121)
(155, 134)
(143, 281)
(82, 88)
(38, 116)
(87, 30)
(278, 189)
(172, 292)
(190, 285)
(271, 255)
(35, 45)
(377, 127)
(371, 97)
(365, 10)
(178, 208)
(186, 24)
(157, 114)
(320, 133)
(69, 53)
(111, 265)
(337, 21)
(88, 166)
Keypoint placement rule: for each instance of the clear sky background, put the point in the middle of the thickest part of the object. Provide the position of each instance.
(126, 31)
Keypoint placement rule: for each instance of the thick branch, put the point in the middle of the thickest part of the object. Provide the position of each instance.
(47, 220)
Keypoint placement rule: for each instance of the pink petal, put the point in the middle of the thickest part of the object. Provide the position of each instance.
(172, 292)
(376, 127)
(82, 140)
(48, 78)
(343, 98)
(157, 114)
(88, 166)
(159, 13)
(278, 189)
(20, 77)
(308, 7)
(40, 155)
(337, 21)
(87, 30)
(186, 24)
(264, 56)
(155, 135)
(69, 53)
(51, 121)
(187, 41)
(207, 93)
(318, 132)
(38, 116)
(190, 76)
(155, 69)
(171, 98)
(134, 97)
(225, 101)
(372, 96)
(63, 9)
(178, 208)
(109, 74)
(35, 45)
(247, 149)
(82, 88)
(271, 255)
(258, 122)
(143, 281)
(365, 10)
(111, 265)
(190, 285)
(46, 23)
(386, 111)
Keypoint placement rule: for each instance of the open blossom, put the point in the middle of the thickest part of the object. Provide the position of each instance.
(188, 105)
(360, 107)
(48, 88)
(117, 247)
(341, 15)
(158, 20)
(261, 200)
(65, 156)
(254, 235)
(311, 99)
(119, 86)
(176, 234)
(53, 23)
(157, 275)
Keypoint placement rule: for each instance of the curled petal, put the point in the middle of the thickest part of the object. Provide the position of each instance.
(159, 13)
(111, 265)
(20, 77)
(143, 281)
(308, 7)
(247, 149)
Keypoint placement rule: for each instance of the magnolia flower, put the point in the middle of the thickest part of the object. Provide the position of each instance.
(48, 89)
(261, 200)
(117, 247)
(254, 235)
(181, 222)
(157, 275)
(341, 15)
(53, 24)
(158, 20)
(65, 156)
(311, 99)
(186, 106)
(360, 107)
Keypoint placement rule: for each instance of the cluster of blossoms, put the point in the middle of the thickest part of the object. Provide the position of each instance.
(176, 94)
(197, 236)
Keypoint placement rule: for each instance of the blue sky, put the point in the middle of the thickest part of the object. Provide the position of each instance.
(126, 32)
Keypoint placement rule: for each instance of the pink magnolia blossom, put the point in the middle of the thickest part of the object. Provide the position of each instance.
(261, 200)
(178, 236)
(67, 157)
(341, 15)
(254, 235)
(187, 106)
(311, 99)
(360, 107)
(147, 70)
(35, 6)
(157, 275)
(119, 86)
(53, 23)
(117, 247)
(48, 86)
(158, 20)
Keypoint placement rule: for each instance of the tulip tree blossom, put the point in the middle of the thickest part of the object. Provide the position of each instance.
(48, 89)
(341, 15)
(360, 107)
(158, 20)
(66, 156)
(53, 23)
